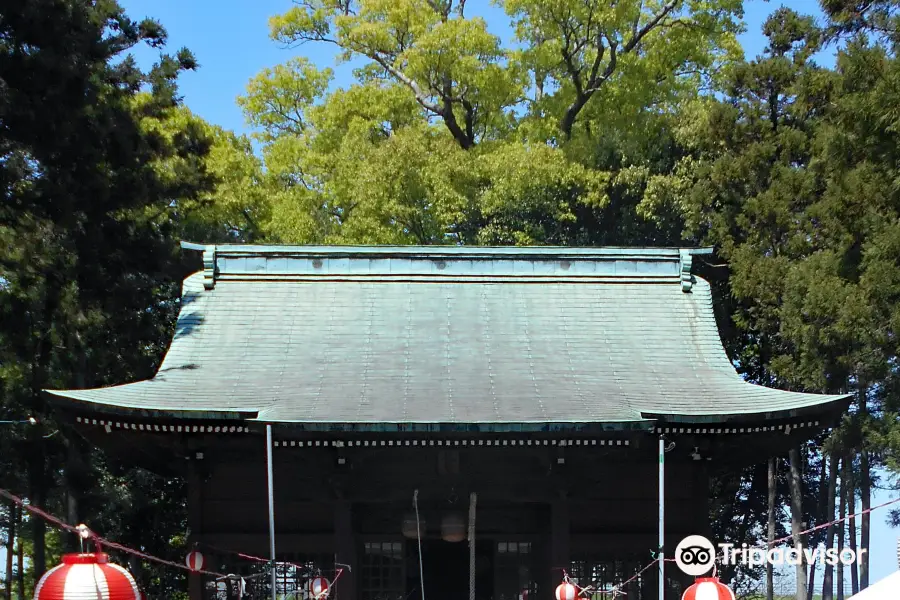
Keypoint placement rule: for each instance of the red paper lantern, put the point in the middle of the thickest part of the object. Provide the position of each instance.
(87, 577)
(566, 591)
(708, 588)
(318, 587)
(194, 561)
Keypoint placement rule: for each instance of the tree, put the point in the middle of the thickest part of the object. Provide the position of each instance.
(790, 175)
(222, 192)
(369, 164)
(575, 50)
(457, 71)
(78, 182)
(451, 65)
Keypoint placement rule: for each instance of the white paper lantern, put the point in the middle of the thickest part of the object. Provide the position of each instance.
(195, 560)
(453, 527)
(566, 591)
(408, 529)
(319, 587)
(88, 576)
(708, 588)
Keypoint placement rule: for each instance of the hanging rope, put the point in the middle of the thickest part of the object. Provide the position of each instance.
(419, 539)
(84, 534)
(472, 499)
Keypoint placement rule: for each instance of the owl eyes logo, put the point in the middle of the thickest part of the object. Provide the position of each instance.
(695, 555)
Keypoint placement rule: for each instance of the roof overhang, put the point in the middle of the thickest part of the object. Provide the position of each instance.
(438, 338)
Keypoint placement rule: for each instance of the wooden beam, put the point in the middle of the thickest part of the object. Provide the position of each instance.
(345, 549)
(560, 534)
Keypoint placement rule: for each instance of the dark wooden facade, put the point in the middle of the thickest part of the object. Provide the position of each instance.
(584, 503)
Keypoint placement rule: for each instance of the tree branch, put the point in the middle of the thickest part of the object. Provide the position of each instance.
(607, 72)
(464, 138)
(634, 41)
(583, 92)
(574, 72)
(421, 96)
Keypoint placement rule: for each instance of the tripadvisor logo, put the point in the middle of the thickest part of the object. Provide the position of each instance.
(695, 555)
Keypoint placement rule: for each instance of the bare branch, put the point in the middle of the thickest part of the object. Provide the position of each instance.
(421, 96)
(607, 72)
(634, 41)
(574, 72)
(598, 60)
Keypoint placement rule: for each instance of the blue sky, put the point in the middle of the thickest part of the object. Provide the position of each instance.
(230, 40)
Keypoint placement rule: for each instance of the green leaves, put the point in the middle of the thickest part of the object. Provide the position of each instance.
(93, 175)
(651, 49)
(792, 176)
(278, 98)
(450, 65)
(372, 162)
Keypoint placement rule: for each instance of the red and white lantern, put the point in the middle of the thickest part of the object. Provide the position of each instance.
(566, 591)
(708, 588)
(194, 561)
(318, 587)
(87, 576)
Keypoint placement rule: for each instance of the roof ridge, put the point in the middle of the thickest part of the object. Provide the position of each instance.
(460, 262)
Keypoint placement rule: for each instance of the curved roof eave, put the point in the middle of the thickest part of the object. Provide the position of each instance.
(538, 336)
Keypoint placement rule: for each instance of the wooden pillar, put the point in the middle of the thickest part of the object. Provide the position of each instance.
(345, 549)
(700, 496)
(560, 538)
(195, 523)
(543, 577)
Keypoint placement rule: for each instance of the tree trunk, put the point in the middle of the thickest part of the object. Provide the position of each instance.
(851, 525)
(11, 547)
(76, 475)
(865, 494)
(135, 566)
(828, 577)
(40, 375)
(796, 481)
(770, 573)
(568, 121)
(819, 519)
(20, 565)
(841, 528)
(74, 478)
(38, 495)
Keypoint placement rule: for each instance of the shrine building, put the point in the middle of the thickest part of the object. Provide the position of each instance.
(535, 382)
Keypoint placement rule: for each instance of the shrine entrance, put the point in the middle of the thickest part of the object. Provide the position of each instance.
(445, 566)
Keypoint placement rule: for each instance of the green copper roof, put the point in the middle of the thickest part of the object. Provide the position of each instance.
(526, 337)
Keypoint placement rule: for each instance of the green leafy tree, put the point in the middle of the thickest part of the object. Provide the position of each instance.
(380, 162)
(88, 275)
(791, 175)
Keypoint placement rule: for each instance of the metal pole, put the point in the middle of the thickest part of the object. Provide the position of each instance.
(271, 506)
(662, 518)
